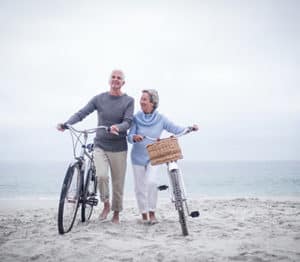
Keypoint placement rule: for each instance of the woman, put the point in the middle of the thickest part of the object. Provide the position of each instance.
(147, 122)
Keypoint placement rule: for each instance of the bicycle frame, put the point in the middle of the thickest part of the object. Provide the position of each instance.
(86, 149)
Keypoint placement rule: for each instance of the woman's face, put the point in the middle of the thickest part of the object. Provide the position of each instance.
(146, 105)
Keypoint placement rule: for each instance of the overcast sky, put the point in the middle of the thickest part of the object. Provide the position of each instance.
(232, 67)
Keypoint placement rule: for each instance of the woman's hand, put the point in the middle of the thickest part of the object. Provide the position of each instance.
(137, 138)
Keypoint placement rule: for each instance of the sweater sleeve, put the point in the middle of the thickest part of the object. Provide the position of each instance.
(128, 117)
(83, 112)
(171, 127)
(132, 132)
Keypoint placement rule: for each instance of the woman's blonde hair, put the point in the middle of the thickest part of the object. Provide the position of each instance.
(154, 98)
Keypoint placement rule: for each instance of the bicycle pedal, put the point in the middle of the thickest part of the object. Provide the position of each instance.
(195, 214)
(93, 201)
(162, 187)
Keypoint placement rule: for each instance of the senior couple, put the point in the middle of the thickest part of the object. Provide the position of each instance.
(115, 109)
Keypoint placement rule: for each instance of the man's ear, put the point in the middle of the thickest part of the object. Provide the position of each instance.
(123, 83)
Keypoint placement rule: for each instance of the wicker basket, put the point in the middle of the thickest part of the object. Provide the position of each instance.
(164, 150)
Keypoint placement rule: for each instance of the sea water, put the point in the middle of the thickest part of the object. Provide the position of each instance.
(38, 180)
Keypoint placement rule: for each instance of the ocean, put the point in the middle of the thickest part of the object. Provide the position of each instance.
(268, 179)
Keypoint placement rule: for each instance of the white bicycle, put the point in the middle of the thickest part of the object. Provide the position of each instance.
(168, 151)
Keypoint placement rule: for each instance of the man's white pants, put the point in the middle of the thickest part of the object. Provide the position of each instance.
(145, 186)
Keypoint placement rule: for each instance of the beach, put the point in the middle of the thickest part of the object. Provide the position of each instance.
(231, 229)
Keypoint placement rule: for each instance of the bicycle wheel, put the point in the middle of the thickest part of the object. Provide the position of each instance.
(69, 199)
(177, 191)
(89, 196)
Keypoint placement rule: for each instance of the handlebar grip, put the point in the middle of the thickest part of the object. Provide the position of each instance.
(191, 128)
(64, 126)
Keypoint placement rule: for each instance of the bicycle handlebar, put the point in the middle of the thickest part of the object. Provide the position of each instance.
(76, 136)
(184, 132)
(86, 131)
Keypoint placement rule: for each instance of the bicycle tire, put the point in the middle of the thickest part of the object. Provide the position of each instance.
(179, 201)
(89, 196)
(69, 198)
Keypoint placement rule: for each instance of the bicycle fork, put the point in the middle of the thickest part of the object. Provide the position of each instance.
(175, 176)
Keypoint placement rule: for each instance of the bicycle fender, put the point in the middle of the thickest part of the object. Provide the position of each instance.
(172, 166)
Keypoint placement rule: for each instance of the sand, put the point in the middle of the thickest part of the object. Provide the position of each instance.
(227, 230)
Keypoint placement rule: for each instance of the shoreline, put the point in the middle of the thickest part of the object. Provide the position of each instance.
(52, 202)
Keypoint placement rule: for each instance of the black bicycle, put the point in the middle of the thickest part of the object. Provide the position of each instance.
(80, 183)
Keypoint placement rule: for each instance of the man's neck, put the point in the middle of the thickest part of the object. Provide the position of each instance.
(115, 92)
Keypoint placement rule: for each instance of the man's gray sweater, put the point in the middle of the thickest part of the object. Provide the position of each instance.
(112, 110)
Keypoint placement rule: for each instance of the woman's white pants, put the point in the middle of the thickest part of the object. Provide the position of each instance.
(145, 186)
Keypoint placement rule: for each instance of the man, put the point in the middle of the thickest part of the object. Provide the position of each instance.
(115, 109)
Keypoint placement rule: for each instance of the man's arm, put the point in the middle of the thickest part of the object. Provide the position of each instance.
(128, 117)
(83, 112)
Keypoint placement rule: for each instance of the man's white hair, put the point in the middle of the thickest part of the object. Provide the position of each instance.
(119, 71)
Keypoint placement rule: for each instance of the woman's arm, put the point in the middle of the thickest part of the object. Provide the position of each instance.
(171, 127)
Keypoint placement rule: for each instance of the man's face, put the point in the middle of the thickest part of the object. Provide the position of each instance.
(116, 80)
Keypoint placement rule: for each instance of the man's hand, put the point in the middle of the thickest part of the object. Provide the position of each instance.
(137, 138)
(114, 130)
(61, 127)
